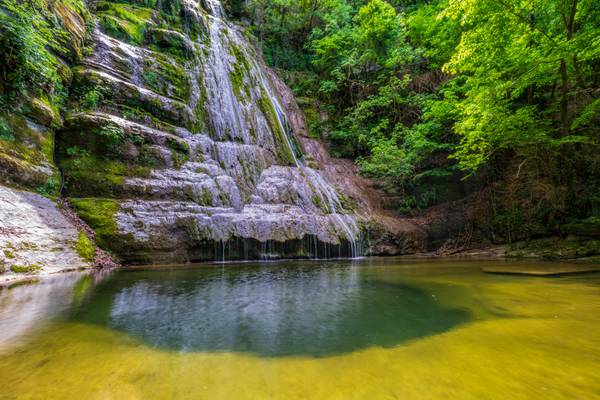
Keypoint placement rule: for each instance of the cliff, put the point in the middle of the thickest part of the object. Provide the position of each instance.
(173, 141)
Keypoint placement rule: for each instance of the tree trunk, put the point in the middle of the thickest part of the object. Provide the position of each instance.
(564, 100)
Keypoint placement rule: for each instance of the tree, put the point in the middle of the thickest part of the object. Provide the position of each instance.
(528, 65)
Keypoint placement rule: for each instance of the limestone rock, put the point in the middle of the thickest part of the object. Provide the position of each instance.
(35, 236)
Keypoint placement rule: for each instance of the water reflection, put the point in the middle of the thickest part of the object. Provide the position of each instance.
(267, 310)
(28, 306)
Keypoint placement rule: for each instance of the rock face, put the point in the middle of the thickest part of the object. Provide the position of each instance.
(388, 234)
(178, 148)
(35, 237)
(177, 144)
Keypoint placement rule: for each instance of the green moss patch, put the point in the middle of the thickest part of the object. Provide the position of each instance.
(165, 75)
(285, 154)
(100, 215)
(84, 247)
(23, 149)
(125, 22)
(26, 269)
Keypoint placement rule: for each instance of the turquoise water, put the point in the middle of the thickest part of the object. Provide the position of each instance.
(272, 310)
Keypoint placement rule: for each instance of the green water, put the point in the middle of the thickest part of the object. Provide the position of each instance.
(341, 329)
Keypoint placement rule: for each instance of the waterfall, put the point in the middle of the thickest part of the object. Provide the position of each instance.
(324, 190)
(232, 119)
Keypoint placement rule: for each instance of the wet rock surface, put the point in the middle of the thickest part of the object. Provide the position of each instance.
(187, 144)
(179, 145)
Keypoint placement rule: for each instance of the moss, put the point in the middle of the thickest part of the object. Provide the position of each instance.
(555, 248)
(178, 158)
(26, 269)
(126, 22)
(28, 246)
(164, 74)
(116, 94)
(50, 188)
(312, 115)
(169, 41)
(201, 120)
(136, 114)
(84, 247)
(88, 175)
(9, 254)
(241, 68)
(6, 133)
(207, 197)
(23, 149)
(100, 214)
(37, 36)
(284, 153)
(346, 202)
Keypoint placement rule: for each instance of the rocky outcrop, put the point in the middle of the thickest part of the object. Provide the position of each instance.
(36, 238)
(177, 144)
(177, 148)
(388, 233)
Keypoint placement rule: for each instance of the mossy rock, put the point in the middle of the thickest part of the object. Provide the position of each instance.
(85, 247)
(165, 75)
(126, 22)
(26, 269)
(120, 93)
(26, 152)
(43, 112)
(100, 215)
(172, 42)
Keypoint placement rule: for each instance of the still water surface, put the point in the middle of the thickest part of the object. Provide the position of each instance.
(369, 329)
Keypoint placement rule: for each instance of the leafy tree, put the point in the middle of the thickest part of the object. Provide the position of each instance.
(529, 66)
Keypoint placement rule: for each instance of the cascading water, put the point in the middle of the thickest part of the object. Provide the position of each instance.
(224, 176)
(325, 192)
(231, 119)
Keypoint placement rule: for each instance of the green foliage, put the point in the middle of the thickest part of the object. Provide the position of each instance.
(124, 21)
(50, 188)
(515, 56)
(113, 137)
(27, 64)
(423, 93)
(91, 99)
(6, 133)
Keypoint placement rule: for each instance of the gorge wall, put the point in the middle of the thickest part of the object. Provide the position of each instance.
(170, 137)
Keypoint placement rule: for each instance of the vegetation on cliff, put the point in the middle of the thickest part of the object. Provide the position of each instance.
(438, 99)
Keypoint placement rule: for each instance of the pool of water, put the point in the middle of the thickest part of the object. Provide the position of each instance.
(368, 329)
